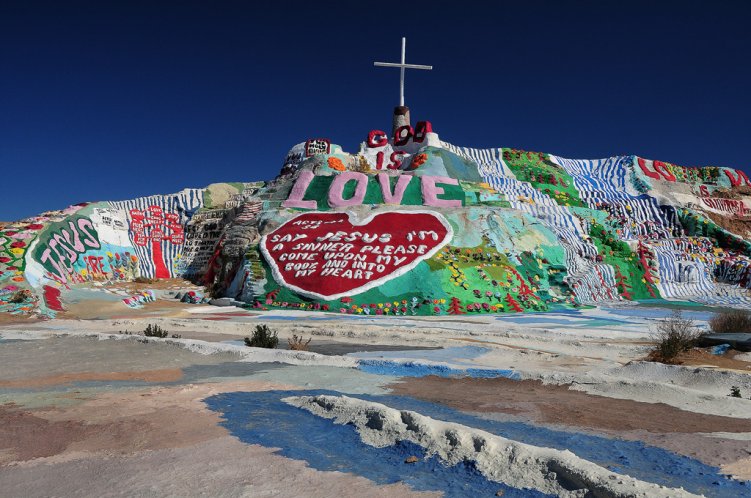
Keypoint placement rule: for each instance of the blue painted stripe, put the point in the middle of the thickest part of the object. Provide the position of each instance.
(261, 418)
(415, 369)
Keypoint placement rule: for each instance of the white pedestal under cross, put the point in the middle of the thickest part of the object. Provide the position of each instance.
(403, 65)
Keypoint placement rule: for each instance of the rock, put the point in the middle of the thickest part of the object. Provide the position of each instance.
(222, 301)
(412, 459)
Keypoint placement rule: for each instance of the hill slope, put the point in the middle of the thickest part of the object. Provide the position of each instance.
(412, 226)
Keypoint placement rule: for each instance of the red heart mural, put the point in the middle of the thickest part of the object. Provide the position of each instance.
(326, 256)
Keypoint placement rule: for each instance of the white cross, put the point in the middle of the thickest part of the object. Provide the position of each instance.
(402, 66)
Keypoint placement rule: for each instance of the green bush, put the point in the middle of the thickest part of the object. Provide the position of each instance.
(262, 338)
(730, 321)
(673, 336)
(155, 331)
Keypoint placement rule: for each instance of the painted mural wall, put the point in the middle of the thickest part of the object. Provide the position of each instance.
(408, 225)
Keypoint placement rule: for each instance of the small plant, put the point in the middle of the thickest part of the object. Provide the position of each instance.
(262, 338)
(143, 280)
(735, 392)
(730, 321)
(155, 331)
(176, 336)
(672, 336)
(298, 343)
(20, 296)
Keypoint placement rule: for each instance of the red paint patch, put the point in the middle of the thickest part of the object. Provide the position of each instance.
(52, 298)
(326, 256)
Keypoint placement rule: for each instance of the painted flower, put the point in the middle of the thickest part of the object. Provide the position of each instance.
(34, 226)
(17, 251)
(18, 243)
(336, 164)
(4, 259)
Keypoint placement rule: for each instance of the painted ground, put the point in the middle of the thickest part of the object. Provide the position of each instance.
(519, 405)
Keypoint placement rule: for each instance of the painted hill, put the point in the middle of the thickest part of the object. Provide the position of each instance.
(408, 225)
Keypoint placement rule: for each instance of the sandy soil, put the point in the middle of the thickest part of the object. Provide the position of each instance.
(218, 467)
(164, 375)
(116, 309)
(78, 408)
(8, 319)
(556, 405)
(551, 404)
(154, 442)
(701, 357)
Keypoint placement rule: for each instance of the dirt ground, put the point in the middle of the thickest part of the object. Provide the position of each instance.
(701, 357)
(558, 406)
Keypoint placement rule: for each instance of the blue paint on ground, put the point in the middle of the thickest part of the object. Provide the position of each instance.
(412, 369)
(261, 418)
(720, 349)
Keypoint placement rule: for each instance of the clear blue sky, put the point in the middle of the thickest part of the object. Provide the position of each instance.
(107, 100)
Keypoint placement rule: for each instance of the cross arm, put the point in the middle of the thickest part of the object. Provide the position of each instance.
(405, 66)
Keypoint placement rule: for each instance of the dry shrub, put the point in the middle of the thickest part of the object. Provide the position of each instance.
(729, 321)
(672, 336)
(20, 296)
(143, 280)
(298, 343)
